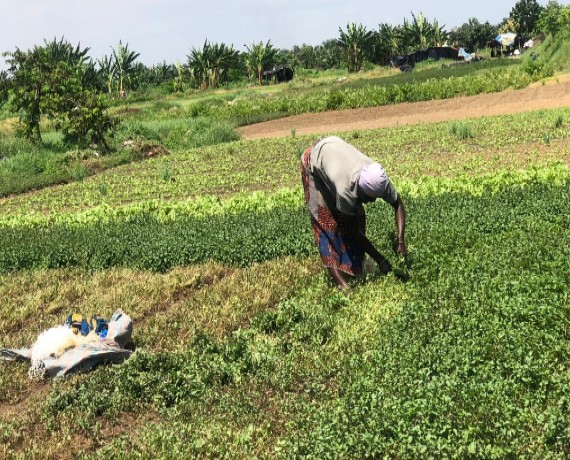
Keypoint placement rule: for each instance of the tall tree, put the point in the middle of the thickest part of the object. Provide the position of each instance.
(307, 56)
(473, 35)
(418, 33)
(357, 42)
(55, 80)
(439, 34)
(525, 13)
(222, 59)
(260, 56)
(107, 73)
(124, 65)
(331, 54)
(553, 19)
(39, 76)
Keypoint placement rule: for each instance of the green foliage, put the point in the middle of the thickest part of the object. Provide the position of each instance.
(525, 14)
(31, 167)
(419, 33)
(5, 84)
(357, 42)
(473, 35)
(155, 237)
(408, 152)
(211, 66)
(538, 68)
(55, 80)
(555, 50)
(179, 132)
(328, 55)
(473, 366)
(384, 93)
(554, 19)
(88, 122)
(461, 130)
(471, 363)
(123, 66)
(259, 57)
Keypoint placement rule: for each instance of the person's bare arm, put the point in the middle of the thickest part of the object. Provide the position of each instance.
(400, 216)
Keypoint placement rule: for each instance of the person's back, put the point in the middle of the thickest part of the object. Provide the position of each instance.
(338, 165)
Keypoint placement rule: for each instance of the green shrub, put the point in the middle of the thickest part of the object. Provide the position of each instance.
(538, 68)
(461, 130)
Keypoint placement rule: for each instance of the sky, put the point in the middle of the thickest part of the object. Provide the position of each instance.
(167, 30)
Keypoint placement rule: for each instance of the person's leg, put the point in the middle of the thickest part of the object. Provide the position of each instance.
(338, 278)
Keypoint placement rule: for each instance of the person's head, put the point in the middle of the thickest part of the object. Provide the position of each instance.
(372, 182)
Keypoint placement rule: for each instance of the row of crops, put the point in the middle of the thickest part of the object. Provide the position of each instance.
(409, 152)
(493, 80)
(241, 230)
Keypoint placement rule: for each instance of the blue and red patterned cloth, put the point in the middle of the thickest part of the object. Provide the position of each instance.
(336, 247)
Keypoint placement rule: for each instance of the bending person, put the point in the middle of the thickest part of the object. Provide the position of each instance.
(338, 179)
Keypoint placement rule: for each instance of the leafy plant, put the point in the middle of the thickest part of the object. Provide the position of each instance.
(259, 57)
(461, 130)
(123, 66)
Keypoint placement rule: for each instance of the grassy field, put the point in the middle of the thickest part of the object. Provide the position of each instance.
(244, 349)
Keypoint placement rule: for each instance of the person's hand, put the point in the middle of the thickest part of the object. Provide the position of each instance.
(401, 248)
(385, 266)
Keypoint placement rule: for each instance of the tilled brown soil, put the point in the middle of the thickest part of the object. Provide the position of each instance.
(553, 94)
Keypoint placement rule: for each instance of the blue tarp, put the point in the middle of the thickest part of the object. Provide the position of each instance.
(465, 54)
(507, 39)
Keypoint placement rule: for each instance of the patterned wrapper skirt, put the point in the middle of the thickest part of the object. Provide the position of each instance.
(337, 249)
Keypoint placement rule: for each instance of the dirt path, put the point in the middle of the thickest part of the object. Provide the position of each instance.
(554, 94)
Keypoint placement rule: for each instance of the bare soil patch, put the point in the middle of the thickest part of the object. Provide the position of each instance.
(549, 95)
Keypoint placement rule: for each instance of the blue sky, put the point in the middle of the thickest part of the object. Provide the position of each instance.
(166, 30)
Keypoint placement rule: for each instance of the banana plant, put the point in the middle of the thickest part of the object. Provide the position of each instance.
(357, 42)
(418, 32)
(123, 65)
(387, 42)
(439, 34)
(107, 73)
(211, 65)
(260, 56)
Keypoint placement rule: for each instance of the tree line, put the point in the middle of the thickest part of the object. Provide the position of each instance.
(60, 81)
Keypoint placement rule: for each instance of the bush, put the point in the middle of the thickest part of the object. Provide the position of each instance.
(537, 68)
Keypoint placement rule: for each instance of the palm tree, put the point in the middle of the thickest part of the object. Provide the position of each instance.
(198, 63)
(357, 42)
(259, 57)
(178, 81)
(123, 65)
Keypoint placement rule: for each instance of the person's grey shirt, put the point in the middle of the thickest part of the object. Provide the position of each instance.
(338, 165)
